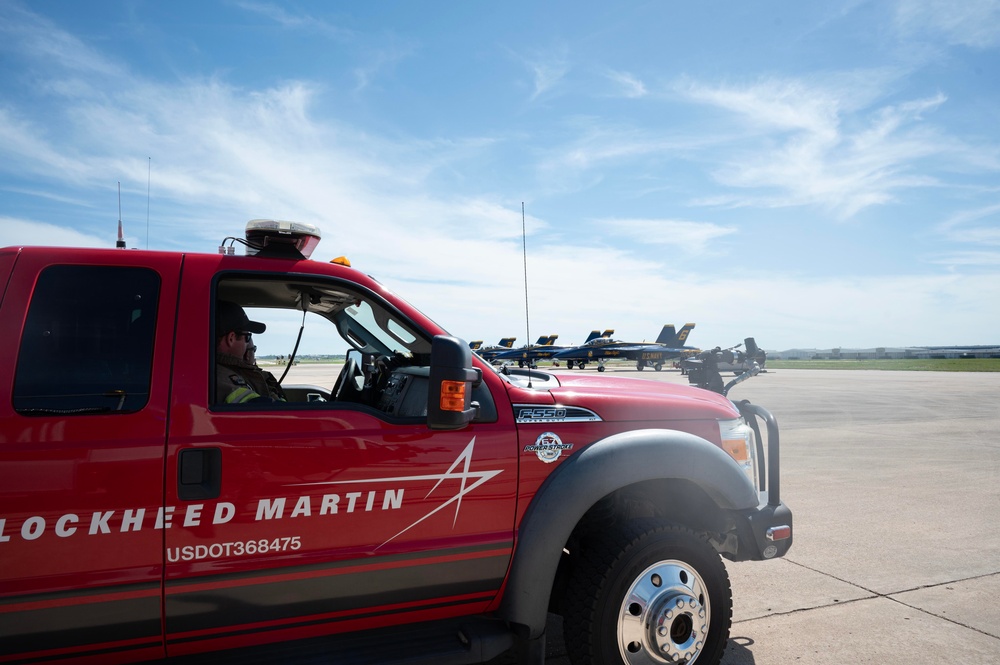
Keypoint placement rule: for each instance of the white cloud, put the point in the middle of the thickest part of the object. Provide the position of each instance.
(784, 105)
(295, 21)
(630, 86)
(980, 226)
(687, 236)
(547, 68)
(380, 61)
(36, 37)
(974, 23)
(969, 258)
(819, 146)
(15, 232)
(599, 146)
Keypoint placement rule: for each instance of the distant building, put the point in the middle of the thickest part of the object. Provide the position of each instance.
(882, 352)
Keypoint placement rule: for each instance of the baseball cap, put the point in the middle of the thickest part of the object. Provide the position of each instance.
(230, 317)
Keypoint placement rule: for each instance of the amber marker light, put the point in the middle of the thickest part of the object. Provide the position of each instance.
(737, 441)
(453, 396)
(737, 449)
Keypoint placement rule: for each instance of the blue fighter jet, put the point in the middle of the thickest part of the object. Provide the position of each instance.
(487, 353)
(669, 344)
(528, 356)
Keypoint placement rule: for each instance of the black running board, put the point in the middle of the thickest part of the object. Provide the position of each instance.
(463, 641)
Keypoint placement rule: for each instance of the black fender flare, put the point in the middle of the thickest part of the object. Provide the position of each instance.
(588, 476)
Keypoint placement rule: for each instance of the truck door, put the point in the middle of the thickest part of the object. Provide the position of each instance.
(318, 514)
(83, 407)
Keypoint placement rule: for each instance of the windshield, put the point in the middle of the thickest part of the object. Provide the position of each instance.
(368, 328)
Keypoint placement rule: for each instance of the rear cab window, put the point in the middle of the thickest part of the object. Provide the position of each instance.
(88, 340)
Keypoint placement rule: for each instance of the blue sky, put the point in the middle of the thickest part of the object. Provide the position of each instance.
(810, 174)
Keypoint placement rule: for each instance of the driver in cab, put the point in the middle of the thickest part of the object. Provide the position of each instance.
(238, 379)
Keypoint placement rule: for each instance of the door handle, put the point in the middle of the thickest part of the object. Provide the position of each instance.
(199, 473)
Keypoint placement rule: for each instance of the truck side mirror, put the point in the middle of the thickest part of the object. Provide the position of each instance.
(452, 378)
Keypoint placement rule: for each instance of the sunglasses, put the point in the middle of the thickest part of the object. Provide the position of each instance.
(247, 337)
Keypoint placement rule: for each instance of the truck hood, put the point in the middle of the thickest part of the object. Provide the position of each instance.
(616, 398)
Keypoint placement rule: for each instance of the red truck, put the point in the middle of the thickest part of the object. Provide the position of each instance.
(426, 507)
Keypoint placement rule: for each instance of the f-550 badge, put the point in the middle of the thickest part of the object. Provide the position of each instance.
(534, 413)
(548, 446)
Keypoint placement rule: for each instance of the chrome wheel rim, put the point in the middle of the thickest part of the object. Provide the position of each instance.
(664, 616)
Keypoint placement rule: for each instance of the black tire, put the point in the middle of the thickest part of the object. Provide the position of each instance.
(636, 596)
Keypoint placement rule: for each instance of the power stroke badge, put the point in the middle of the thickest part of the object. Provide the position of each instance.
(548, 446)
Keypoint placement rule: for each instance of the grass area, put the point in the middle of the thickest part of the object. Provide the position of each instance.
(304, 360)
(910, 365)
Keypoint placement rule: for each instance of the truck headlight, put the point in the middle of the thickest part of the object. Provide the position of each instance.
(737, 440)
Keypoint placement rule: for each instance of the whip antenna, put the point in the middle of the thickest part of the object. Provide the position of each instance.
(149, 171)
(121, 236)
(524, 249)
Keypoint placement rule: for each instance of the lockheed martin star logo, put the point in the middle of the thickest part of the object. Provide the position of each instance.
(459, 470)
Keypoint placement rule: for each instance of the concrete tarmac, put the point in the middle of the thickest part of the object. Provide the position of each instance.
(894, 482)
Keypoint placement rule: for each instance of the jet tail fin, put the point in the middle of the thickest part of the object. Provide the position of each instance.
(594, 334)
(683, 334)
(667, 335)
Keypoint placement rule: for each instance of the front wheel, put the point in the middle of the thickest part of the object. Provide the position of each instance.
(648, 593)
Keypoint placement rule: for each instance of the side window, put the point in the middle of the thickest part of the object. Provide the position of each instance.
(87, 345)
(266, 325)
(314, 344)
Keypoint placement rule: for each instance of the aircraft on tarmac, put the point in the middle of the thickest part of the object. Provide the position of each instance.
(744, 360)
(488, 352)
(528, 356)
(669, 344)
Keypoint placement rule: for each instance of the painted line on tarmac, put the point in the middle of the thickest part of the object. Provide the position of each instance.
(876, 594)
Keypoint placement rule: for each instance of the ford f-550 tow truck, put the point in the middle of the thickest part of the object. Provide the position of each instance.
(426, 507)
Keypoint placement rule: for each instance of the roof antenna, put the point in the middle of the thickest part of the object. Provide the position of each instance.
(121, 237)
(149, 171)
(524, 248)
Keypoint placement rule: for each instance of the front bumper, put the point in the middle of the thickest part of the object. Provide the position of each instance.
(764, 532)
